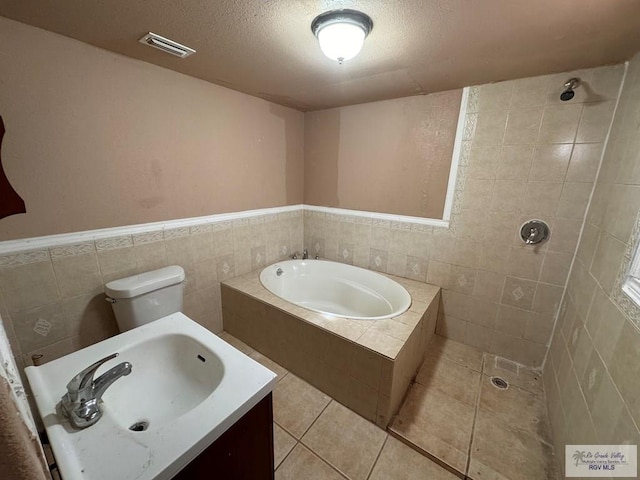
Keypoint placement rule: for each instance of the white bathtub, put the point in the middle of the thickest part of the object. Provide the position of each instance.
(336, 289)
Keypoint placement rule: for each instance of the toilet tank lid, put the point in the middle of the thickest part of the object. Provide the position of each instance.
(144, 282)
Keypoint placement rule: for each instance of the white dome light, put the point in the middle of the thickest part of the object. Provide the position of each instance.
(341, 33)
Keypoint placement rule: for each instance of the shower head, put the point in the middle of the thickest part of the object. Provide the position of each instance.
(569, 85)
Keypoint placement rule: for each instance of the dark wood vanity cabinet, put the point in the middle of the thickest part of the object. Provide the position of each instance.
(245, 451)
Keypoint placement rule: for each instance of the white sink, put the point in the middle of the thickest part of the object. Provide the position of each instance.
(187, 385)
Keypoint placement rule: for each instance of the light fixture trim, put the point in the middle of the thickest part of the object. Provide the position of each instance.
(343, 17)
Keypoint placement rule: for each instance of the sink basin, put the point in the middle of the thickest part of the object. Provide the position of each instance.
(187, 387)
(172, 374)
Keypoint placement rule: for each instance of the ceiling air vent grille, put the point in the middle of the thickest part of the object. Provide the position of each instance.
(166, 45)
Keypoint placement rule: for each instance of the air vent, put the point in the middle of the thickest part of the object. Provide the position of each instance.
(166, 45)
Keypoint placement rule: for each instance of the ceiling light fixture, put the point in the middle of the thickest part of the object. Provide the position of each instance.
(341, 33)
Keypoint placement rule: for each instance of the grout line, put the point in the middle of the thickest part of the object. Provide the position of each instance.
(375, 462)
(308, 447)
(475, 417)
(288, 453)
(316, 419)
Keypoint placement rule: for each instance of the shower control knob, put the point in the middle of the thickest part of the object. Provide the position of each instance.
(534, 232)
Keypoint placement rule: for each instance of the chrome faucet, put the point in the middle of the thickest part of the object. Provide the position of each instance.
(81, 403)
(305, 254)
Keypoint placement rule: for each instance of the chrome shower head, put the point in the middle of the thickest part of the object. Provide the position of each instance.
(569, 85)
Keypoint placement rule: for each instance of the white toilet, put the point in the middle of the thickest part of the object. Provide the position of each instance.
(146, 297)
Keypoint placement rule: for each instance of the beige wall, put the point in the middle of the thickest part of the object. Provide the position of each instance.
(95, 139)
(392, 156)
(591, 373)
(525, 154)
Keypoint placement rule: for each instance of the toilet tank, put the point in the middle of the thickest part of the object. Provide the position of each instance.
(146, 297)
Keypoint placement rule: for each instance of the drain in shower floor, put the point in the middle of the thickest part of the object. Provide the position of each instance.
(500, 383)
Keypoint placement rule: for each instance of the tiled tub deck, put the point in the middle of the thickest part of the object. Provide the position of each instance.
(366, 365)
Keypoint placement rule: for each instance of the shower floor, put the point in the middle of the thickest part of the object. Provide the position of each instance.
(455, 415)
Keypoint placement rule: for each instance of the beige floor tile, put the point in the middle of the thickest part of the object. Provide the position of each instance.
(303, 464)
(462, 354)
(516, 408)
(270, 364)
(502, 453)
(347, 441)
(400, 462)
(437, 423)
(450, 378)
(296, 404)
(234, 342)
(525, 378)
(283, 443)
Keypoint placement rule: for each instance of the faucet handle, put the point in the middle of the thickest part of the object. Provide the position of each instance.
(85, 377)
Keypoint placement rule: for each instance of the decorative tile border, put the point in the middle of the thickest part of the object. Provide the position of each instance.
(176, 233)
(114, 243)
(24, 258)
(149, 237)
(70, 250)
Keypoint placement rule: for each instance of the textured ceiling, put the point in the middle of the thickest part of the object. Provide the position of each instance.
(266, 48)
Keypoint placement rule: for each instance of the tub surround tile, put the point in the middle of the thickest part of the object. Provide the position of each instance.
(343, 327)
(384, 337)
(393, 328)
(364, 364)
(381, 343)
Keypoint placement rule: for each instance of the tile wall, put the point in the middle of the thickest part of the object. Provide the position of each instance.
(52, 300)
(591, 373)
(525, 154)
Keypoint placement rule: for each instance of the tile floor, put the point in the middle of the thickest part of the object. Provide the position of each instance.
(317, 438)
(452, 414)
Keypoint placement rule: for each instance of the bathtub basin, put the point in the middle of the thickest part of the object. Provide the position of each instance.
(336, 289)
